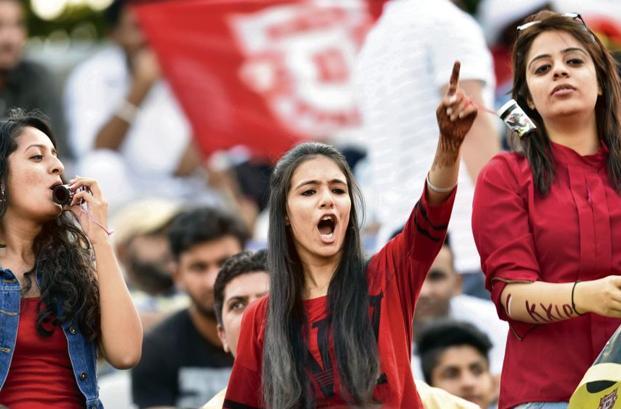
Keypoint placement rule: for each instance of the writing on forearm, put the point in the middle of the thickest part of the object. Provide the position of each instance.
(541, 312)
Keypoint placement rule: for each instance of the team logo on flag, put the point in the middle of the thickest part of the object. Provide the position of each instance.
(299, 57)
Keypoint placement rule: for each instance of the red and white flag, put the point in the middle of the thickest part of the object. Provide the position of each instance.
(261, 73)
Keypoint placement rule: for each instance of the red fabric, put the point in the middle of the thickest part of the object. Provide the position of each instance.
(395, 276)
(41, 375)
(503, 71)
(260, 73)
(573, 233)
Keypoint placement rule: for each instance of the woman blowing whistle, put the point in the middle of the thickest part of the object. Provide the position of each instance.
(62, 295)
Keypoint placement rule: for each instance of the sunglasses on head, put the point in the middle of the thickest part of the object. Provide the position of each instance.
(574, 16)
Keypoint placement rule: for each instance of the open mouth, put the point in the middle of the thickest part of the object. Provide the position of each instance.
(326, 227)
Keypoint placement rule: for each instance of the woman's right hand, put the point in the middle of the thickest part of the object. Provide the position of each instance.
(601, 297)
(455, 114)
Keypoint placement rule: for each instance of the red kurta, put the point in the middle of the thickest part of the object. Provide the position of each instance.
(395, 276)
(573, 233)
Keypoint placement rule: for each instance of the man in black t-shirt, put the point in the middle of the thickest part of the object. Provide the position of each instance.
(183, 364)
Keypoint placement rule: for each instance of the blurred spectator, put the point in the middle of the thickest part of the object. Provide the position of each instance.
(124, 123)
(436, 398)
(26, 84)
(141, 244)
(441, 297)
(242, 279)
(401, 75)
(183, 363)
(455, 358)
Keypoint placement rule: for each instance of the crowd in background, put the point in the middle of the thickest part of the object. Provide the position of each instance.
(180, 218)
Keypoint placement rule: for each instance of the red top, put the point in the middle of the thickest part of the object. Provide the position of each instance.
(395, 276)
(573, 233)
(41, 375)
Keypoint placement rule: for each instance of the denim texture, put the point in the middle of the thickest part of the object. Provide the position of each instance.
(82, 353)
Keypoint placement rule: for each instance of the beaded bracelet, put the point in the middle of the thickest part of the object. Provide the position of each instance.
(439, 189)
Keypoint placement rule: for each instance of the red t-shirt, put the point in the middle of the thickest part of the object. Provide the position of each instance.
(573, 233)
(41, 375)
(395, 276)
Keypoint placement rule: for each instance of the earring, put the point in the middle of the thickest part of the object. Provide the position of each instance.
(2, 194)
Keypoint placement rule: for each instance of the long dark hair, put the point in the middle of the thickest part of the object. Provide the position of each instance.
(536, 145)
(285, 380)
(63, 255)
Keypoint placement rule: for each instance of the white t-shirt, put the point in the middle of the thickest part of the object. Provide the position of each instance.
(406, 60)
(155, 141)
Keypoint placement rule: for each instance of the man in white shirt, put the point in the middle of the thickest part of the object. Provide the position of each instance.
(125, 125)
(401, 76)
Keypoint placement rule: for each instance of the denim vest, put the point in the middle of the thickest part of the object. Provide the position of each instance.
(82, 353)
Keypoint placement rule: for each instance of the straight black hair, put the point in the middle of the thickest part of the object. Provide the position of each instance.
(285, 378)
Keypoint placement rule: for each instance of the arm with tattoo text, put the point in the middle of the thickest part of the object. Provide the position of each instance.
(540, 302)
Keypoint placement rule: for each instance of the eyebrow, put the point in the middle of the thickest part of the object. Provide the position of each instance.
(243, 297)
(317, 182)
(41, 146)
(237, 298)
(565, 51)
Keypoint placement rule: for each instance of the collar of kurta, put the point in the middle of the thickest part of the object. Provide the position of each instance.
(568, 156)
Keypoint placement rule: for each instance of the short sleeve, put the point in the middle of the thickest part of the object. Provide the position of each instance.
(92, 92)
(455, 35)
(501, 228)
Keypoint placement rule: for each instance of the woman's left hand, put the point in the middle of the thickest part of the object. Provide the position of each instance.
(90, 208)
(455, 114)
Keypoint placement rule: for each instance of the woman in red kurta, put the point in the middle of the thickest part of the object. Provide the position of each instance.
(335, 332)
(547, 219)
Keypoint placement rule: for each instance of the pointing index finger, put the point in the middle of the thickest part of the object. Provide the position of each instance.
(454, 78)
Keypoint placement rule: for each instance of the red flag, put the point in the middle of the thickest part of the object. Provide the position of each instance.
(261, 73)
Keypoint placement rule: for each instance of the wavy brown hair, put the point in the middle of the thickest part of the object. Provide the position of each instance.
(63, 255)
(535, 146)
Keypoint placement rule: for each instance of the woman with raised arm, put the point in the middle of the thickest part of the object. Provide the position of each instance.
(336, 330)
(547, 218)
(63, 297)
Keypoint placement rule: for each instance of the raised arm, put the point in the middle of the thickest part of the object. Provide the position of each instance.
(455, 114)
(145, 72)
(121, 329)
(482, 141)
